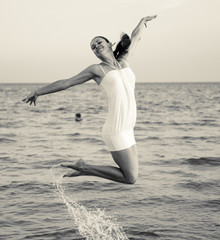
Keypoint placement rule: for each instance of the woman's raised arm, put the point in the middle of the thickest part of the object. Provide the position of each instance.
(137, 33)
(60, 85)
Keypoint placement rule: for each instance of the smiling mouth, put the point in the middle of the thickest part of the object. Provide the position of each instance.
(99, 48)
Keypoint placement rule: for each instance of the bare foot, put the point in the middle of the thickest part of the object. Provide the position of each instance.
(79, 166)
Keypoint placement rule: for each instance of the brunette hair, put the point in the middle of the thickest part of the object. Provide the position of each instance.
(122, 46)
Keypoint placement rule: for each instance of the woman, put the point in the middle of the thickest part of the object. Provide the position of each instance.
(114, 75)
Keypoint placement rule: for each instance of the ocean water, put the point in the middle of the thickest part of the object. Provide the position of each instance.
(176, 197)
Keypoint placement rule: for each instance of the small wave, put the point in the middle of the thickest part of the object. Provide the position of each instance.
(140, 235)
(9, 135)
(6, 140)
(86, 139)
(14, 124)
(26, 186)
(104, 150)
(61, 109)
(151, 138)
(194, 138)
(209, 123)
(199, 185)
(92, 140)
(211, 161)
(37, 110)
(56, 235)
(146, 122)
(72, 134)
(205, 123)
(214, 203)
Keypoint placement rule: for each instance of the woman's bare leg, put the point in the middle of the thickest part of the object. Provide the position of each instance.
(127, 172)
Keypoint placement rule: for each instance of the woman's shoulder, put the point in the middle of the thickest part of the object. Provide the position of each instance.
(95, 69)
(97, 72)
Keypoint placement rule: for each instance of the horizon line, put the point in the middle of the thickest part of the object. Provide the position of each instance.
(22, 83)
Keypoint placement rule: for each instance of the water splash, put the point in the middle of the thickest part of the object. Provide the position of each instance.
(91, 224)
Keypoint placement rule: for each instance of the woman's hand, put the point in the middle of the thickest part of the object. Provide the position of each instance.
(147, 19)
(32, 98)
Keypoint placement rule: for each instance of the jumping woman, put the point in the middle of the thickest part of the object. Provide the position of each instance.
(117, 79)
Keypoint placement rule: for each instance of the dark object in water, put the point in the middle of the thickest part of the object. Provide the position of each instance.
(78, 117)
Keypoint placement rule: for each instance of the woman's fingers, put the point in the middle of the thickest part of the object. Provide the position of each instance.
(25, 100)
(32, 99)
(149, 18)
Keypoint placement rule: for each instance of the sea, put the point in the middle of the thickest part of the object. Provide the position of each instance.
(177, 194)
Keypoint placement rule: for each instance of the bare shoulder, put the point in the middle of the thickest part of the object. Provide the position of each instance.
(94, 70)
(97, 72)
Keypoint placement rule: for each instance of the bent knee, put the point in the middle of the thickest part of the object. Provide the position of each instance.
(132, 178)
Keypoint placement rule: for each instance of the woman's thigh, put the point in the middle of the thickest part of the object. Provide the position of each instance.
(127, 160)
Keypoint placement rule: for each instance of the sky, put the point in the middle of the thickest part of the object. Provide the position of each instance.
(47, 40)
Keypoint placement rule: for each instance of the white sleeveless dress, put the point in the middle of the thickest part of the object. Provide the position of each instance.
(118, 130)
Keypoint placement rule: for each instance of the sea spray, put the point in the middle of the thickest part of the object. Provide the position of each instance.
(92, 224)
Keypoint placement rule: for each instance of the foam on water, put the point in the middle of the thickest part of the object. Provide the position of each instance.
(92, 224)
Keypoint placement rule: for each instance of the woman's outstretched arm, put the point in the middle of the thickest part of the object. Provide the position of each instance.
(137, 33)
(60, 85)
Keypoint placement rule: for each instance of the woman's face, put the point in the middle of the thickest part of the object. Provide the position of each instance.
(99, 46)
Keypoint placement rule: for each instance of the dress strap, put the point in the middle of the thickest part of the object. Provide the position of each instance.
(119, 65)
(122, 59)
(102, 68)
